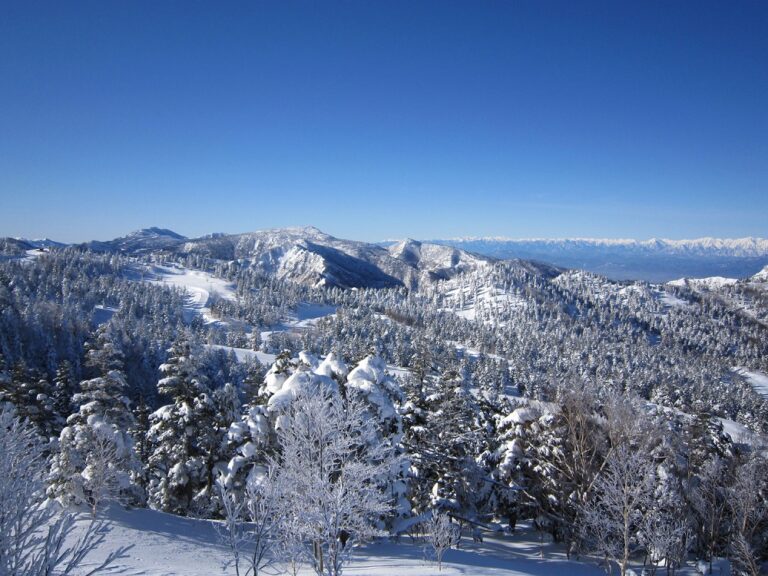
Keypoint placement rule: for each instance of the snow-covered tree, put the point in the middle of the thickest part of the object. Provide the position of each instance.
(254, 527)
(35, 535)
(446, 441)
(442, 535)
(95, 448)
(708, 502)
(330, 468)
(612, 517)
(183, 438)
(381, 393)
(748, 502)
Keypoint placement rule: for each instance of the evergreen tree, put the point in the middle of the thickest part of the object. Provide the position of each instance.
(254, 379)
(63, 390)
(182, 438)
(96, 456)
(139, 432)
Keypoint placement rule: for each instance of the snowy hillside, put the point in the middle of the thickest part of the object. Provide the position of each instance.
(748, 295)
(177, 381)
(310, 256)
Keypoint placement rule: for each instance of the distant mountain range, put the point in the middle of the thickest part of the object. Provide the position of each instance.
(310, 256)
(655, 260)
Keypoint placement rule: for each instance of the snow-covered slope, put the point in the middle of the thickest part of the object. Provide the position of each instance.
(42, 243)
(757, 380)
(434, 261)
(711, 283)
(748, 295)
(761, 276)
(200, 287)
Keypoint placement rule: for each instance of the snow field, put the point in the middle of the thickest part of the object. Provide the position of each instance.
(167, 545)
(198, 285)
(758, 380)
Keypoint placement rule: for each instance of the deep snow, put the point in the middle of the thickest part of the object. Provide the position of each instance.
(167, 545)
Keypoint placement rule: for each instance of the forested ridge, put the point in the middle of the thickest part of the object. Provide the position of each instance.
(605, 412)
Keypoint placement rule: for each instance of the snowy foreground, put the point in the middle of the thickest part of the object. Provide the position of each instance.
(167, 545)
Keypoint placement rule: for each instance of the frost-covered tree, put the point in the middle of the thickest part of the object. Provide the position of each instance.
(254, 528)
(565, 455)
(63, 390)
(35, 535)
(612, 517)
(32, 396)
(252, 383)
(446, 442)
(708, 502)
(748, 502)
(381, 393)
(442, 535)
(330, 466)
(96, 459)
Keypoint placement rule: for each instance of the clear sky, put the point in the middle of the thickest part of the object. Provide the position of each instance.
(375, 120)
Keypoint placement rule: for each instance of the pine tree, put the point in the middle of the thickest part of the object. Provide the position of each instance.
(6, 391)
(252, 383)
(381, 396)
(139, 432)
(63, 390)
(180, 467)
(96, 450)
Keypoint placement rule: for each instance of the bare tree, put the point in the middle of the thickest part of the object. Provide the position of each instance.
(708, 500)
(442, 534)
(101, 476)
(253, 522)
(665, 534)
(749, 512)
(612, 517)
(331, 468)
(35, 536)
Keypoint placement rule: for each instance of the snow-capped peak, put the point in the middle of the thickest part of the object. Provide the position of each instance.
(155, 232)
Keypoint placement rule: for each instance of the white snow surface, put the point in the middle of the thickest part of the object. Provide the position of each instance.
(758, 380)
(199, 285)
(244, 354)
(167, 545)
(711, 283)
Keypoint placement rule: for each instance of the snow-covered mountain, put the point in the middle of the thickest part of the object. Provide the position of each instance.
(735, 247)
(41, 242)
(140, 241)
(310, 256)
(652, 260)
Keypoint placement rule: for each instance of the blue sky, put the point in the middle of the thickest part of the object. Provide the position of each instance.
(375, 120)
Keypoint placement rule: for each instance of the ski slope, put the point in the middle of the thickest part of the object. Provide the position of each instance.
(199, 285)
